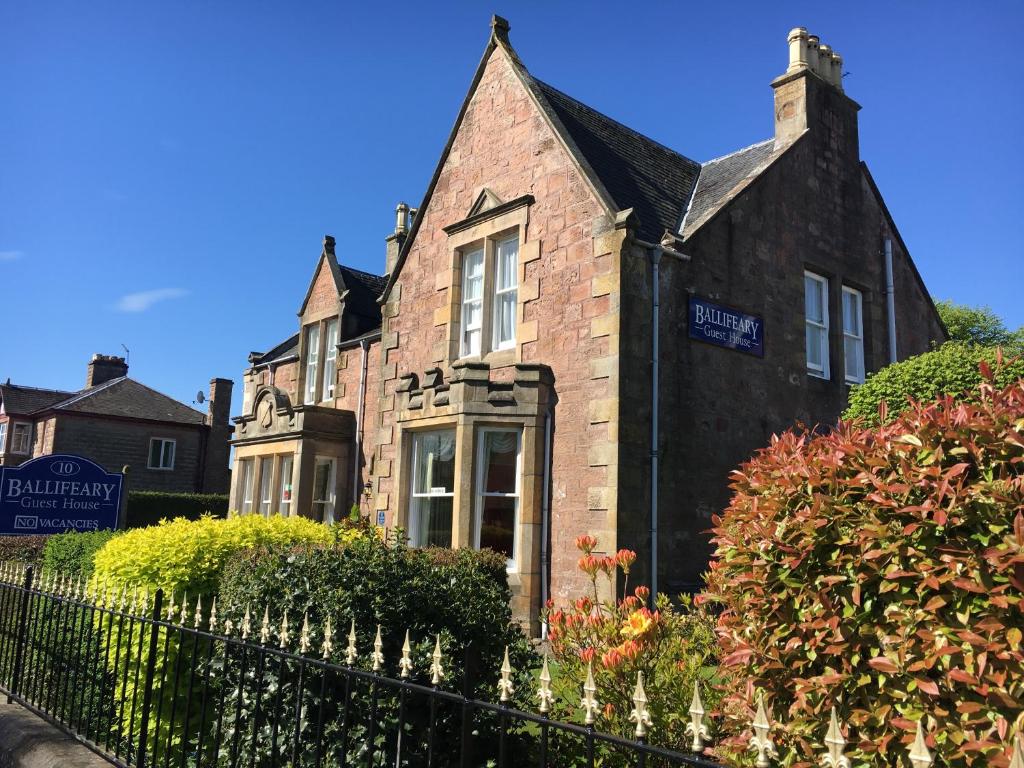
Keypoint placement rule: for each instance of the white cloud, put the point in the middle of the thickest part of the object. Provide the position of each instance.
(11, 255)
(143, 300)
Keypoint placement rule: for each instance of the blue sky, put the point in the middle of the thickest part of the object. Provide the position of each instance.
(168, 169)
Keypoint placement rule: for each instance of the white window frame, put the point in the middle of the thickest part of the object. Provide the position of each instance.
(247, 481)
(330, 358)
(164, 442)
(480, 494)
(854, 336)
(312, 362)
(415, 496)
(464, 348)
(3, 437)
(497, 293)
(327, 510)
(284, 484)
(266, 497)
(821, 372)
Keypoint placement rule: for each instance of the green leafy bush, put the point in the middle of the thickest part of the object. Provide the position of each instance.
(22, 549)
(461, 596)
(880, 571)
(71, 554)
(150, 507)
(185, 559)
(952, 369)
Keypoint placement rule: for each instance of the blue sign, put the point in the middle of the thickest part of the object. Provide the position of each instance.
(726, 327)
(53, 494)
(380, 518)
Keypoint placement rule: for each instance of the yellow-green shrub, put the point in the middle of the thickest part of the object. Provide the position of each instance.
(183, 557)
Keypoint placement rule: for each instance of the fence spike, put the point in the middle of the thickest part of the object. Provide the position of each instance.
(213, 615)
(761, 741)
(304, 634)
(589, 701)
(378, 652)
(183, 620)
(229, 627)
(835, 742)
(95, 590)
(107, 596)
(920, 757)
(144, 607)
(697, 728)
(640, 714)
(285, 634)
(1017, 756)
(77, 594)
(172, 609)
(505, 687)
(405, 663)
(436, 669)
(199, 612)
(247, 622)
(328, 645)
(547, 698)
(265, 626)
(123, 602)
(350, 651)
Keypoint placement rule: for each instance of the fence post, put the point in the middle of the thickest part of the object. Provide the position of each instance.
(147, 696)
(19, 651)
(470, 664)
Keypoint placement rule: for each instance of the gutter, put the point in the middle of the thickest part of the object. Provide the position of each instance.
(545, 524)
(358, 449)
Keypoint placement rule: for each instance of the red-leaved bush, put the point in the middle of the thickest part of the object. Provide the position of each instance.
(880, 571)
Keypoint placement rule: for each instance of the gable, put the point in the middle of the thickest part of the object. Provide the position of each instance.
(324, 289)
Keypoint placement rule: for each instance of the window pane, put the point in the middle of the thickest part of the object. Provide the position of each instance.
(266, 483)
(852, 313)
(247, 479)
(155, 449)
(500, 453)
(432, 518)
(473, 271)
(505, 319)
(285, 485)
(497, 524)
(813, 304)
(435, 462)
(323, 492)
(508, 258)
(814, 347)
(853, 359)
(3, 435)
(168, 454)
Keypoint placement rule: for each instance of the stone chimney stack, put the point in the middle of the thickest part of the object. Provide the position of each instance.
(218, 409)
(104, 368)
(217, 448)
(809, 97)
(403, 222)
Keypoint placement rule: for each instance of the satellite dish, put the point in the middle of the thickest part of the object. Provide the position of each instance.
(200, 397)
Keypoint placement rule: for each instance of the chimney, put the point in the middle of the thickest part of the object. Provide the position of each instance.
(328, 247)
(219, 402)
(104, 368)
(809, 96)
(395, 241)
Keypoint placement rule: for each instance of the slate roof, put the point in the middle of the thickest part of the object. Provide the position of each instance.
(117, 397)
(22, 401)
(723, 178)
(286, 349)
(130, 399)
(363, 288)
(636, 171)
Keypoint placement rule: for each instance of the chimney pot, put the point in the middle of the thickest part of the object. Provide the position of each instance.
(797, 49)
(401, 219)
(825, 63)
(103, 368)
(812, 52)
(837, 70)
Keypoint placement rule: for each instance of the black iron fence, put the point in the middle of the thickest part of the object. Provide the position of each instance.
(146, 683)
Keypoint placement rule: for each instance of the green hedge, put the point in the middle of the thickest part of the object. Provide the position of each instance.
(23, 549)
(71, 553)
(150, 507)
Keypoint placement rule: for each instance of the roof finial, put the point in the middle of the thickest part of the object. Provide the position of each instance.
(329, 244)
(500, 27)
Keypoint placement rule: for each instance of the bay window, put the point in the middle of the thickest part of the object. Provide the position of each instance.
(246, 485)
(816, 324)
(497, 497)
(266, 485)
(433, 488)
(490, 286)
(853, 335)
(285, 486)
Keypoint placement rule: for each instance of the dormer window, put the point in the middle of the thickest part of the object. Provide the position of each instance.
(489, 294)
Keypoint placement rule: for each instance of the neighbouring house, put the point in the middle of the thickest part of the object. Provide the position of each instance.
(118, 422)
(581, 330)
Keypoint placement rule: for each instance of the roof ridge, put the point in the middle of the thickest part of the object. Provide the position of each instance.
(361, 271)
(603, 116)
(87, 392)
(737, 152)
(39, 389)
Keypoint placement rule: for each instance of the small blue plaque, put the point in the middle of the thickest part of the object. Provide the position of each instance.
(53, 494)
(726, 327)
(380, 518)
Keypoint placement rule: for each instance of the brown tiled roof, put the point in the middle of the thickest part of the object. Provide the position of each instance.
(129, 399)
(21, 401)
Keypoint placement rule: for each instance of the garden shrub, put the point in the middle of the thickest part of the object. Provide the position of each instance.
(22, 549)
(71, 554)
(150, 507)
(880, 571)
(674, 647)
(461, 596)
(185, 559)
(952, 369)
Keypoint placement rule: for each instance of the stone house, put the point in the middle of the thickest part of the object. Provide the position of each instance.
(118, 422)
(583, 331)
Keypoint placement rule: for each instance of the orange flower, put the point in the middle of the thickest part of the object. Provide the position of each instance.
(625, 558)
(584, 604)
(589, 565)
(586, 543)
(630, 649)
(611, 658)
(587, 655)
(638, 623)
(642, 593)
